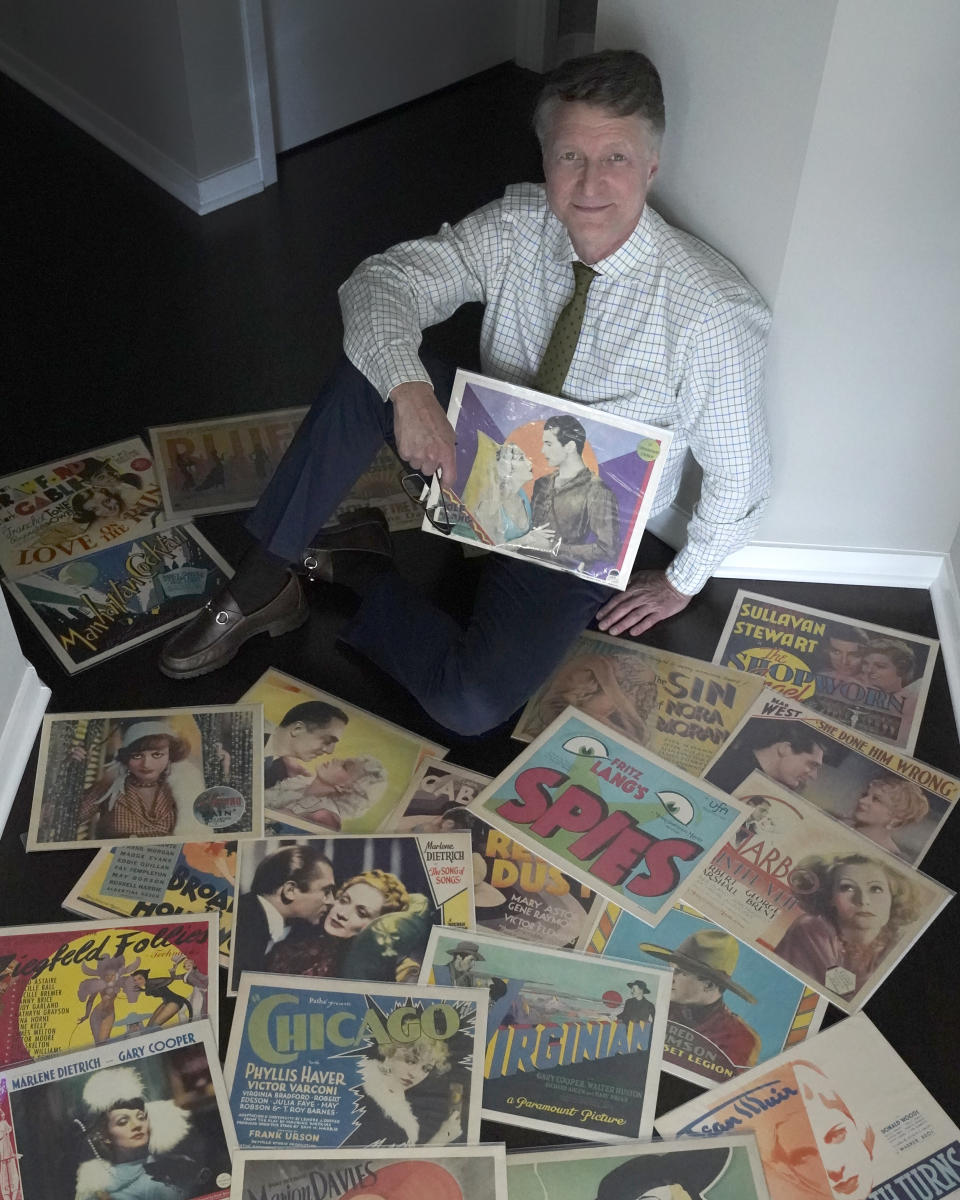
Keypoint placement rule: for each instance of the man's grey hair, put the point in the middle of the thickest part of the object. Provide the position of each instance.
(625, 82)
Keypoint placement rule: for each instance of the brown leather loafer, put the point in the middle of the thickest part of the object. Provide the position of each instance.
(338, 547)
(213, 637)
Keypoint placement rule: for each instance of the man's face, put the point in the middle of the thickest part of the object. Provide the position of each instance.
(637, 992)
(310, 904)
(553, 451)
(308, 741)
(597, 168)
(692, 989)
(463, 962)
(795, 768)
(844, 656)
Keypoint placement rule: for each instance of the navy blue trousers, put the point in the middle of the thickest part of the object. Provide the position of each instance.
(524, 616)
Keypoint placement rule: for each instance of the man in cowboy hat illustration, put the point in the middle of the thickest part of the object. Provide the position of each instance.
(458, 972)
(703, 964)
(678, 1176)
(637, 1007)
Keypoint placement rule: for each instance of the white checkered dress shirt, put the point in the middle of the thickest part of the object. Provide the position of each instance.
(672, 335)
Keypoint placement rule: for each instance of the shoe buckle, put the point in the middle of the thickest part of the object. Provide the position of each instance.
(310, 563)
(222, 617)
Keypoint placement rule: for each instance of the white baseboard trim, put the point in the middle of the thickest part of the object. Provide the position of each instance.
(200, 195)
(945, 597)
(18, 729)
(811, 564)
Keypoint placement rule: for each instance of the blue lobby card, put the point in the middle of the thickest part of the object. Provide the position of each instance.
(315, 1063)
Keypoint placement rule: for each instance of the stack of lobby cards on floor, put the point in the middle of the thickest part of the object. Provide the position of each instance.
(607, 812)
(87, 552)
(147, 1116)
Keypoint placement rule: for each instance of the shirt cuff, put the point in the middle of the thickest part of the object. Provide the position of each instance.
(390, 366)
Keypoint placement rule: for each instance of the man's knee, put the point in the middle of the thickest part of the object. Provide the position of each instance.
(470, 708)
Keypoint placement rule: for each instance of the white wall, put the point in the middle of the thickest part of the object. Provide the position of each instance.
(816, 144)
(335, 63)
(22, 701)
(740, 82)
(166, 84)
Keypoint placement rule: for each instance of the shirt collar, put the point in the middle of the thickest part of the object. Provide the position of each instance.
(638, 247)
(276, 926)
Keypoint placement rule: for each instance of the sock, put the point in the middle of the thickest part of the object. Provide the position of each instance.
(357, 571)
(260, 576)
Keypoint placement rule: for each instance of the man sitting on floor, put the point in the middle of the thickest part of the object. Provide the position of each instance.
(666, 331)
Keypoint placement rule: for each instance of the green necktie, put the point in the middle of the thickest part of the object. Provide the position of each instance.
(566, 333)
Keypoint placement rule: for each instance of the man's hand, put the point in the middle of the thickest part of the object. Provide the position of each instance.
(425, 438)
(649, 598)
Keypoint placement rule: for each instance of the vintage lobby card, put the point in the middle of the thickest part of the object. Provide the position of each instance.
(380, 487)
(896, 801)
(145, 1117)
(563, 484)
(348, 907)
(329, 766)
(83, 983)
(156, 774)
(314, 1063)
(678, 707)
(867, 677)
(842, 1117)
(729, 1167)
(118, 597)
(515, 892)
(730, 1008)
(401, 1173)
(131, 880)
(574, 1047)
(818, 899)
(53, 514)
(611, 814)
(221, 464)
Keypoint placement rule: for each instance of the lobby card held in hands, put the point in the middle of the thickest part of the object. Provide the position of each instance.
(563, 484)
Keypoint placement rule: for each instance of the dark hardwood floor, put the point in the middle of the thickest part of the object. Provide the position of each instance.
(124, 310)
